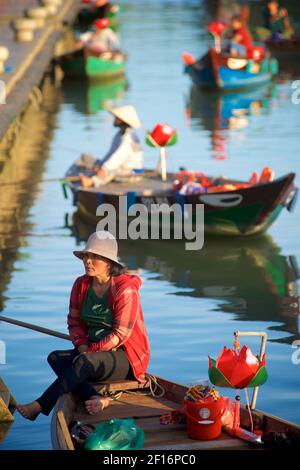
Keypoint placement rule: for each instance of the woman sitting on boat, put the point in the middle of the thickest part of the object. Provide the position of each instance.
(125, 154)
(241, 39)
(101, 39)
(276, 22)
(107, 329)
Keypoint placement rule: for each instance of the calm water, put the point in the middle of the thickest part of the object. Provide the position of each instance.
(192, 301)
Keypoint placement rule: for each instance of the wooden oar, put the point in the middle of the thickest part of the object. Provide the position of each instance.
(49, 180)
(41, 329)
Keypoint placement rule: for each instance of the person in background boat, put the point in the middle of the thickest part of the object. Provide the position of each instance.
(101, 39)
(107, 329)
(102, 6)
(276, 22)
(240, 39)
(125, 154)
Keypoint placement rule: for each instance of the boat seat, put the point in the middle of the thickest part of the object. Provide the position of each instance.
(120, 386)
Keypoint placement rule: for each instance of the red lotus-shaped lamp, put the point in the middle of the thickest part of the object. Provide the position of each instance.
(239, 368)
(217, 29)
(163, 135)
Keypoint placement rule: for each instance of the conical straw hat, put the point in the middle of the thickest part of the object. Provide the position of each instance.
(128, 115)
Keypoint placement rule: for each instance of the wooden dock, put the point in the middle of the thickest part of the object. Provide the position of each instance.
(28, 61)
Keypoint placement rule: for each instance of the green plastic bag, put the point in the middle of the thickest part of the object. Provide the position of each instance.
(115, 434)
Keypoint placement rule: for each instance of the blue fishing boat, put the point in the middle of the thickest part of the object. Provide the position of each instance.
(222, 71)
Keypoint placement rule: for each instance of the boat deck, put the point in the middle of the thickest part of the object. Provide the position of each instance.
(142, 187)
(146, 410)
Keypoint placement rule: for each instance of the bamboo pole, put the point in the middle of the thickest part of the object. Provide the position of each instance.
(40, 329)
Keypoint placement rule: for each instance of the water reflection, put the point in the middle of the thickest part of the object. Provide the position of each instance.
(262, 288)
(4, 430)
(89, 97)
(23, 155)
(220, 114)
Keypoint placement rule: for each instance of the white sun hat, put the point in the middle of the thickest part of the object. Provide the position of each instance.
(101, 243)
(128, 115)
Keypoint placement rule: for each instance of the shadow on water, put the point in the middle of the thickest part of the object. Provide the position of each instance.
(23, 156)
(250, 279)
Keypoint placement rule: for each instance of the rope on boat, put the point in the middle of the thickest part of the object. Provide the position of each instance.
(156, 390)
(153, 389)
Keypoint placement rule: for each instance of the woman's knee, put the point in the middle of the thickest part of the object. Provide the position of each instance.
(53, 358)
(81, 364)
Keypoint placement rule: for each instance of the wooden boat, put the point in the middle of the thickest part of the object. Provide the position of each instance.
(86, 63)
(281, 48)
(147, 409)
(284, 48)
(246, 211)
(221, 71)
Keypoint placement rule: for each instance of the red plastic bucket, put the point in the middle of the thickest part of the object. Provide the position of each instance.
(204, 418)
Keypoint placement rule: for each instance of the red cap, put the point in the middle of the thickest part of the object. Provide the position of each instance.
(101, 23)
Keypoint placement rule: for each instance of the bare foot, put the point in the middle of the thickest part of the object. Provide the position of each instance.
(30, 410)
(96, 404)
(86, 181)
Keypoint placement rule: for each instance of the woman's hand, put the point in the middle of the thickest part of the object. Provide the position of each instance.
(83, 348)
(101, 173)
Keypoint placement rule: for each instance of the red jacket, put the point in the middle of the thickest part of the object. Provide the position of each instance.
(245, 37)
(128, 328)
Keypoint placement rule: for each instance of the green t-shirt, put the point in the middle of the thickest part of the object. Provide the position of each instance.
(95, 312)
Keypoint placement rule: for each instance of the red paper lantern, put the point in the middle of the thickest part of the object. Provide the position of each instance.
(101, 23)
(162, 133)
(256, 53)
(217, 28)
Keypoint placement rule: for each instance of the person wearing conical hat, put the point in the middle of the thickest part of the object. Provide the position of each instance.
(125, 154)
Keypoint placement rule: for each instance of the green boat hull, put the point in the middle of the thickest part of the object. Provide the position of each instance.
(94, 68)
(214, 224)
(239, 221)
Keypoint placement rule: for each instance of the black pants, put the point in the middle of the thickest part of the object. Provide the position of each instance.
(75, 370)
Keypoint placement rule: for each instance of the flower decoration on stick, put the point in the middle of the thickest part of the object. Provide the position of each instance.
(163, 135)
(217, 29)
(238, 369)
